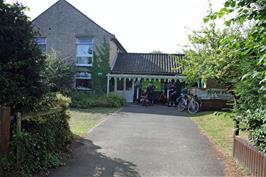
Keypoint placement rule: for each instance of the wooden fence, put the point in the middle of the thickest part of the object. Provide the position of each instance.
(4, 129)
(30, 116)
(248, 156)
(5, 118)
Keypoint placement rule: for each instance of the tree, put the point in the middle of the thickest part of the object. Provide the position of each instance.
(21, 61)
(156, 51)
(101, 68)
(214, 54)
(237, 58)
(60, 73)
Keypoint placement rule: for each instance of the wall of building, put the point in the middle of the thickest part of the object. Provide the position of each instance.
(113, 53)
(61, 24)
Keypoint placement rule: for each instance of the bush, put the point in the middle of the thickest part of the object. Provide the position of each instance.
(255, 122)
(60, 73)
(22, 64)
(83, 100)
(43, 139)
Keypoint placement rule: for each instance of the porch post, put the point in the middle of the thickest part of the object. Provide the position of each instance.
(115, 89)
(133, 86)
(124, 85)
(108, 85)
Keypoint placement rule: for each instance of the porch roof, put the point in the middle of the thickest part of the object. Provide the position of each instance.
(148, 64)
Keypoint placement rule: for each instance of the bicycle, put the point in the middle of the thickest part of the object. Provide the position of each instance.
(189, 102)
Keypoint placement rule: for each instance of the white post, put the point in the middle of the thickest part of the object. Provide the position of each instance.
(124, 87)
(137, 93)
(133, 85)
(108, 85)
(124, 84)
(115, 89)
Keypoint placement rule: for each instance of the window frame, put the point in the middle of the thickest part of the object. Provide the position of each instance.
(79, 77)
(86, 41)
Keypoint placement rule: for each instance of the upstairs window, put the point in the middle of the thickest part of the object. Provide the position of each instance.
(84, 52)
(41, 42)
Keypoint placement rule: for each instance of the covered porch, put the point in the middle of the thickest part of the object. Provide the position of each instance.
(130, 86)
(133, 72)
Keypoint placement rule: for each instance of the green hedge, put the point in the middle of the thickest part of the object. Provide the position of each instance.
(42, 140)
(84, 100)
(255, 123)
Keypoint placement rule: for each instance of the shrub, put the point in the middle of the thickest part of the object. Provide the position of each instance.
(43, 139)
(21, 62)
(60, 73)
(255, 122)
(84, 100)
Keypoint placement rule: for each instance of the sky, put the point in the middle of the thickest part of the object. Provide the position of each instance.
(140, 25)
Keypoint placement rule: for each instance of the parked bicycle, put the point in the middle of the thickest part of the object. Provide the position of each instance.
(189, 102)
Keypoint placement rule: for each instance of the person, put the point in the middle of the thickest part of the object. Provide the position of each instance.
(162, 98)
(172, 95)
(150, 89)
(144, 99)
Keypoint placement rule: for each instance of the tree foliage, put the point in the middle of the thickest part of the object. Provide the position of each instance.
(235, 56)
(21, 62)
(60, 73)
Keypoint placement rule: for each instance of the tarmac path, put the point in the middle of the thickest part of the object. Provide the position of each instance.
(151, 141)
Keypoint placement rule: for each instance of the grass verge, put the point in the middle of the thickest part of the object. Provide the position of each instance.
(82, 120)
(219, 129)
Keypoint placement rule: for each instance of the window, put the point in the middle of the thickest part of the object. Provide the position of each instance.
(83, 84)
(83, 81)
(84, 52)
(41, 42)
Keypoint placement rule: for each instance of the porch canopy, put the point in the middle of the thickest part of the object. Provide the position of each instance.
(135, 67)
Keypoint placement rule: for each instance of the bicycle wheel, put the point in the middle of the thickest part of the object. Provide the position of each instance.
(181, 105)
(193, 107)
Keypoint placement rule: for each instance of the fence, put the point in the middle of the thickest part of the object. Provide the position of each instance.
(5, 117)
(248, 156)
(4, 129)
(29, 116)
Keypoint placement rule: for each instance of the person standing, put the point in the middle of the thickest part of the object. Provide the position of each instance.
(172, 95)
(149, 91)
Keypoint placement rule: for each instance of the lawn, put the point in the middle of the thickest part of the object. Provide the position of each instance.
(218, 127)
(83, 120)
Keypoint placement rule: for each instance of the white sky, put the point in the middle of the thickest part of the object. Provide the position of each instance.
(140, 25)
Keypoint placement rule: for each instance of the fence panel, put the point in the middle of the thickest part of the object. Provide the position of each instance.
(248, 156)
(20, 118)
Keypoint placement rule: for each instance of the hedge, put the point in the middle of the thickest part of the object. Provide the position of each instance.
(85, 100)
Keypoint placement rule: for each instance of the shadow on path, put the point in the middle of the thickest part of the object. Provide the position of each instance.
(86, 161)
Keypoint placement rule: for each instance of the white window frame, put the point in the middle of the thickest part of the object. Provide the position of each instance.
(88, 42)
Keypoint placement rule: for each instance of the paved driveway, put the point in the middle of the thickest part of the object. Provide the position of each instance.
(144, 141)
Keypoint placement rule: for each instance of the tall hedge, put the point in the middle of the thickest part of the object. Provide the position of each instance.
(21, 61)
(43, 140)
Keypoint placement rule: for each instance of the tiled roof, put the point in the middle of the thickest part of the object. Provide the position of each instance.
(148, 64)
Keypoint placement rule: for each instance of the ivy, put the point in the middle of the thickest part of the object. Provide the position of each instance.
(101, 68)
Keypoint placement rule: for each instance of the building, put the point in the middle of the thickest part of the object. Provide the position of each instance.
(73, 35)
(66, 30)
